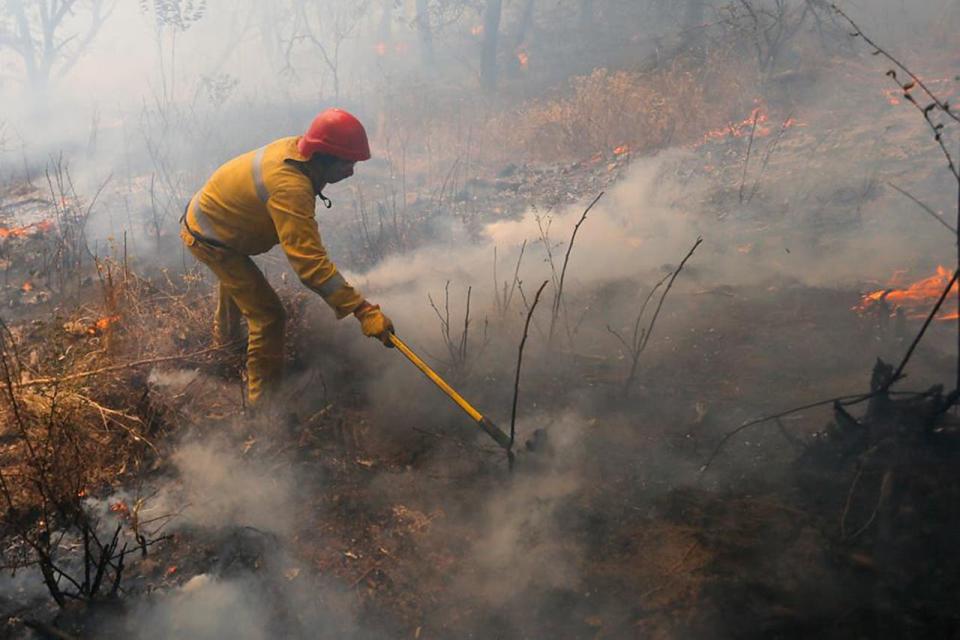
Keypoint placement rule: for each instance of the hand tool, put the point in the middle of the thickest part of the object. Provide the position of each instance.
(492, 430)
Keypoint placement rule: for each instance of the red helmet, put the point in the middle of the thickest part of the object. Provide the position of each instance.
(335, 132)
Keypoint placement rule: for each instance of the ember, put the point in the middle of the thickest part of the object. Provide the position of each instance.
(103, 324)
(757, 123)
(758, 118)
(915, 298)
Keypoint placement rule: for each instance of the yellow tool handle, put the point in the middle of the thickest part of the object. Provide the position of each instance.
(492, 430)
(437, 380)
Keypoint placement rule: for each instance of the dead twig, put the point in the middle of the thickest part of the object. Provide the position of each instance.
(878, 50)
(750, 423)
(457, 349)
(641, 338)
(928, 209)
(127, 365)
(503, 302)
(886, 486)
(766, 157)
(852, 490)
(516, 380)
(112, 415)
(633, 346)
(789, 437)
(558, 293)
(935, 105)
(923, 330)
(363, 575)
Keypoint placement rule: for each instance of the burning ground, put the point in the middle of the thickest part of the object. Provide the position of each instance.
(141, 499)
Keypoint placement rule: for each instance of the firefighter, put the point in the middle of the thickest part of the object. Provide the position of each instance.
(267, 197)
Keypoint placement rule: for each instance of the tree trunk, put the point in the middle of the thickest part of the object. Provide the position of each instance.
(425, 33)
(491, 39)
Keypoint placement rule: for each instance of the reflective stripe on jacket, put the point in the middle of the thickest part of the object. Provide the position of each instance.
(256, 201)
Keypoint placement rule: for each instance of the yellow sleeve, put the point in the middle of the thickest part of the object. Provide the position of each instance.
(293, 216)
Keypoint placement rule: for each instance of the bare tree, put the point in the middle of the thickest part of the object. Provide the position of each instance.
(50, 36)
(325, 27)
(172, 18)
(770, 25)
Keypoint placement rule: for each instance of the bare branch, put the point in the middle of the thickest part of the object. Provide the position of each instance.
(516, 381)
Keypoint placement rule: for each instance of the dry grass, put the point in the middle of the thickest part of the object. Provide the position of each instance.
(428, 134)
(68, 436)
(610, 111)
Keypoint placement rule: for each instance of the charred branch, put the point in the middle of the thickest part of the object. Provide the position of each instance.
(558, 292)
(924, 206)
(516, 380)
(641, 337)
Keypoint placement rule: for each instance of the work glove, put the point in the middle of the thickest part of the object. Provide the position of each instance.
(373, 323)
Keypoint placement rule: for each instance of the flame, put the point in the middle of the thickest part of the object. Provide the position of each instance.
(27, 287)
(758, 122)
(103, 324)
(30, 229)
(622, 149)
(120, 508)
(740, 129)
(380, 49)
(916, 298)
(523, 58)
(476, 30)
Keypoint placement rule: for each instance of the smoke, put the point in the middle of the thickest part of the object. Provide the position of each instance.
(223, 489)
(520, 551)
(160, 108)
(173, 378)
(272, 595)
(235, 522)
(208, 608)
(646, 220)
(23, 588)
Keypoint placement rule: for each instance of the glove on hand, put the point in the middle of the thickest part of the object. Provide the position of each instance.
(374, 323)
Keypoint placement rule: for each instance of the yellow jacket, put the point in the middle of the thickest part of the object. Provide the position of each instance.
(256, 201)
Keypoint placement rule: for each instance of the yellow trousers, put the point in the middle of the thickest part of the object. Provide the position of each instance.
(245, 291)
